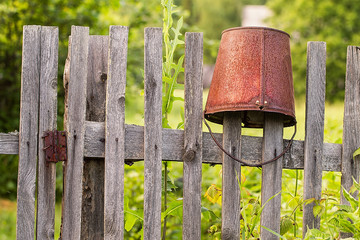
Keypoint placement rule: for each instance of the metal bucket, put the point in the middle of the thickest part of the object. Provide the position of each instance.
(253, 75)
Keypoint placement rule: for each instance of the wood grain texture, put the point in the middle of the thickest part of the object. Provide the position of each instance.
(71, 228)
(92, 215)
(152, 133)
(231, 175)
(193, 136)
(271, 175)
(115, 134)
(45, 220)
(173, 140)
(314, 130)
(351, 126)
(28, 136)
(9, 143)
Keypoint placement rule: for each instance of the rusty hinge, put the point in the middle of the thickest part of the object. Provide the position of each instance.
(55, 145)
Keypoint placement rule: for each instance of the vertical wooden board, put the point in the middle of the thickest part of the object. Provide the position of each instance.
(271, 175)
(92, 214)
(351, 141)
(231, 175)
(115, 134)
(29, 113)
(314, 129)
(152, 133)
(193, 136)
(71, 228)
(45, 221)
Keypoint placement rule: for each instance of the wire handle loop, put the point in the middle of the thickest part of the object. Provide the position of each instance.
(246, 163)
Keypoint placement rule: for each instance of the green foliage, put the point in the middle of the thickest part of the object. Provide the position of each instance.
(344, 218)
(332, 21)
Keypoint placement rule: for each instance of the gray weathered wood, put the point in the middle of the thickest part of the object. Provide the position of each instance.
(71, 228)
(193, 136)
(231, 175)
(351, 131)
(29, 113)
(271, 175)
(115, 134)
(9, 143)
(314, 130)
(92, 214)
(152, 133)
(173, 140)
(45, 220)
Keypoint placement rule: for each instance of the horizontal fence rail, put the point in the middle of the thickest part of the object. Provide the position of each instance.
(173, 149)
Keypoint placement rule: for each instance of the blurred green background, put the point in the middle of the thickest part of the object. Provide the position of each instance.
(332, 21)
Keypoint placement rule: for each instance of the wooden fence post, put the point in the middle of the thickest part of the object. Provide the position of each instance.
(45, 219)
(75, 133)
(314, 130)
(115, 134)
(152, 133)
(28, 136)
(193, 136)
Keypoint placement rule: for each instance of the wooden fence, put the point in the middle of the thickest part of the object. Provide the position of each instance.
(99, 141)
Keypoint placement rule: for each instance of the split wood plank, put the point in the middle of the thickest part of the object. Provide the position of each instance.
(271, 175)
(152, 133)
(92, 214)
(115, 134)
(231, 175)
(29, 113)
(351, 141)
(75, 133)
(47, 122)
(314, 130)
(192, 157)
(9, 143)
(173, 140)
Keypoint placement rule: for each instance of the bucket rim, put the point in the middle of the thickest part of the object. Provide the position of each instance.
(254, 28)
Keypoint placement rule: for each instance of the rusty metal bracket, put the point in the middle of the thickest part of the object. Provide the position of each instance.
(55, 146)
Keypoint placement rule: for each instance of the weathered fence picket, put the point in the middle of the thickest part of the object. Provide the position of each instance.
(28, 132)
(231, 175)
(314, 134)
(92, 213)
(71, 228)
(271, 175)
(45, 220)
(152, 133)
(115, 134)
(193, 136)
(99, 142)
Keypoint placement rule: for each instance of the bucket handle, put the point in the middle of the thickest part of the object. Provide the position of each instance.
(246, 163)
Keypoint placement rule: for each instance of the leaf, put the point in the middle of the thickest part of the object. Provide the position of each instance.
(356, 184)
(130, 222)
(308, 201)
(344, 207)
(356, 153)
(346, 226)
(286, 224)
(208, 214)
(213, 193)
(275, 233)
(353, 202)
(175, 208)
(318, 210)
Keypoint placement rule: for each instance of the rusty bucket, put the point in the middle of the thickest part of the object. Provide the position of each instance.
(253, 75)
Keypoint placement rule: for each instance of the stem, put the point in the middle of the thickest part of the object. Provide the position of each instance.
(296, 186)
(165, 198)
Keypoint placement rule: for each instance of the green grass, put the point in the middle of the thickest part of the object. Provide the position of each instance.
(250, 177)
